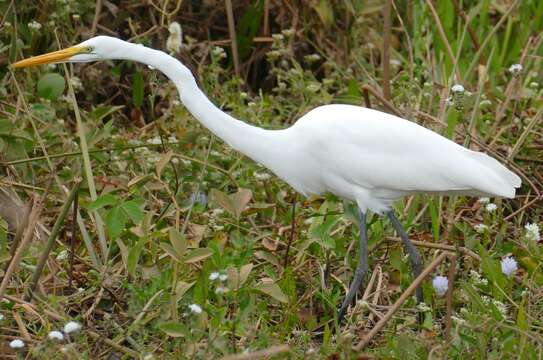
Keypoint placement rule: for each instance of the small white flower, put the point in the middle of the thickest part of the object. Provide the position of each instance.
(155, 141)
(509, 265)
(16, 344)
(76, 83)
(173, 44)
(1, 317)
(363, 304)
(195, 308)
(312, 58)
(262, 176)
(220, 290)
(214, 276)
(477, 279)
(423, 307)
(491, 207)
(218, 52)
(277, 37)
(480, 228)
(288, 32)
(55, 335)
(515, 69)
(458, 320)
(63, 255)
(34, 25)
(223, 277)
(313, 87)
(457, 89)
(484, 200)
(532, 232)
(485, 103)
(71, 327)
(449, 101)
(440, 284)
(502, 308)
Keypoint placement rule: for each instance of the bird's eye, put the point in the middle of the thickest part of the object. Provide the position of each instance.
(89, 49)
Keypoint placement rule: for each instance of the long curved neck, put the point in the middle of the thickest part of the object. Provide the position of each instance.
(252, 141)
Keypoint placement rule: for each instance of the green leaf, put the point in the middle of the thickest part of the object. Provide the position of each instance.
(51, 86)
(178, 242)
(170, 251)
(174, 329)
(325, 11)
(116, 221)
(103, 200)
(133, 209)
(134, 256)
(236, 278)
(197, 255)
(181, 288)
(240, 200)
(138, 89)
(272, 290)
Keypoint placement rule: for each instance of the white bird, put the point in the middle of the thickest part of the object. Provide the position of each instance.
(360, 154)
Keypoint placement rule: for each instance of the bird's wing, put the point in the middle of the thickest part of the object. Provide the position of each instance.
(380, 151)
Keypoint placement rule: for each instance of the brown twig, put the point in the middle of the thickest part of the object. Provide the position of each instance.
(445, 247)
(448, 316)
(260, 354)
(387, 104)
(72, 240)
(381, 323)
(233, 38)
(97, 11)
(37, 207)
(443, 36)
(292, 230)
(51, 240)
(387, 25)
(471, 33)
(114, 345)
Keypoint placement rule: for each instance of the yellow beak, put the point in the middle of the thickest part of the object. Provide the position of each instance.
(49, 58)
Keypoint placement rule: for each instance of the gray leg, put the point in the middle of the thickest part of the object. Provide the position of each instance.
(361, 268)
(414, 256)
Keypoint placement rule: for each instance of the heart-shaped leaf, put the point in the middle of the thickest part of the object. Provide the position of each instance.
(235, 203)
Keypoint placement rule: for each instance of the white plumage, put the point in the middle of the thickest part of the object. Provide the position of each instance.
(360, 154)
(364, 155)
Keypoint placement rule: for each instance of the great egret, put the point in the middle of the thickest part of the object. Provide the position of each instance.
(360, 154)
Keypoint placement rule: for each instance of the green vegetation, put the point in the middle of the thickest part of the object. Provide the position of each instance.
(179, 242)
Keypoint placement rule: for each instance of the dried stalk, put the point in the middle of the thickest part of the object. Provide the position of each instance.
(448, 316)
(386, 49)
(366, 339)
(51, 240)
(452, 248)
(233, 38)
(37, 207)
(260, 354)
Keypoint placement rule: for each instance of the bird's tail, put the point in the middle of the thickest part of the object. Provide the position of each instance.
(504, 181)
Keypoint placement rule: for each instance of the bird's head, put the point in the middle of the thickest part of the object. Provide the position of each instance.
(96, 48)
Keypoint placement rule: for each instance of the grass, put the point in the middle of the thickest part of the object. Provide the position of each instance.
(167, 206)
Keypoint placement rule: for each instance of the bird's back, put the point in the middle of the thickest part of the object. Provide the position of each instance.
(384, 156)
